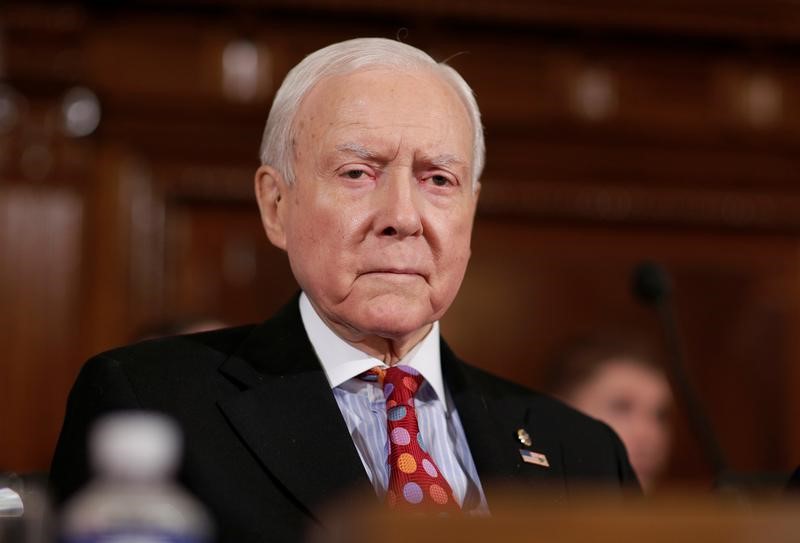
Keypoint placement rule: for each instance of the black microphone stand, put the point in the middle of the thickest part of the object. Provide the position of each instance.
(651, 285)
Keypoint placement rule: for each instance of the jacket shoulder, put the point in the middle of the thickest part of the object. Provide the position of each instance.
(198, 349)
(543, 405)
(156, 373)
(222, 340)
(589, 447)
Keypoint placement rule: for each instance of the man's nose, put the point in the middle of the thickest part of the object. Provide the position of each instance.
(399, 214)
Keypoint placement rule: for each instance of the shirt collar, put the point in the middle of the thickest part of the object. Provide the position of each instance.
(341, 361)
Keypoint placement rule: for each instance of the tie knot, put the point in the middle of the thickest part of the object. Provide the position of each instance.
(399, 383)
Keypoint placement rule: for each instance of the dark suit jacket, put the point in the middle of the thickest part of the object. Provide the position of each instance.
(266, 445)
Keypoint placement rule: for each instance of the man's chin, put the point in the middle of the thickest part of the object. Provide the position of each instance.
(394, 317)
(396, 326)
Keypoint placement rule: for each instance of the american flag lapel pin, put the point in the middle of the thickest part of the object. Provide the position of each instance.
(533, 457)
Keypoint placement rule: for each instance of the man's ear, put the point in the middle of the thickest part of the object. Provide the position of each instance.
(271, 191)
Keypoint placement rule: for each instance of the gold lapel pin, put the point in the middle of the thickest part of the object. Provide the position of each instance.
(524, 437)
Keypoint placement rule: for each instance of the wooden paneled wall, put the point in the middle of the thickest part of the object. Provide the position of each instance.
(616, 132)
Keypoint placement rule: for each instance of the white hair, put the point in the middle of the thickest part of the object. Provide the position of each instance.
(347, 57)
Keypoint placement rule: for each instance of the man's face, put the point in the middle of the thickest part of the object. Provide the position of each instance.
(378, 223)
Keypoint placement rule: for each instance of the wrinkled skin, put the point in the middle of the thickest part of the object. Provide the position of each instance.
(377, 224)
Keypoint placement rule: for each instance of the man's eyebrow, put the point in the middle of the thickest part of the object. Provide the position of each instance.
(359, 150)
(444, 161)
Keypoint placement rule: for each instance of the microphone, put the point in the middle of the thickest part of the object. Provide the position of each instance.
(651, 285)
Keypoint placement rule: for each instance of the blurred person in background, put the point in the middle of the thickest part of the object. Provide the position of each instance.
(619, 381)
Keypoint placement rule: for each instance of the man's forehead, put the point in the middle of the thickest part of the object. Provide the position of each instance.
(342, 94)
(356, 114)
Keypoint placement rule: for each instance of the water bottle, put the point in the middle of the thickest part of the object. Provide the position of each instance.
(133, 497)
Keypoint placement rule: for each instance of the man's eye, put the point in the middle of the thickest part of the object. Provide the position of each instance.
(440, 180)
(354, 174)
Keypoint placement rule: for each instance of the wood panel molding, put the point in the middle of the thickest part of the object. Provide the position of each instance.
(633, 205)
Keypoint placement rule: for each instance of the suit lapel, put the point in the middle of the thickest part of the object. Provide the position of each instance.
(490, 423)
(287, 415)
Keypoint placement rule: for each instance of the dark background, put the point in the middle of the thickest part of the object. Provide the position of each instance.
(617, 131)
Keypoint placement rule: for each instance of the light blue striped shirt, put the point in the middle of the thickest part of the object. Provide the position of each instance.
(363, 407)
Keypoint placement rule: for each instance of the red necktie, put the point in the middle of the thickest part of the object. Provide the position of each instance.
(414, 479)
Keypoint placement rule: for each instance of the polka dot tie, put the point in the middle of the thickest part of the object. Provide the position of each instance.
(415, 481)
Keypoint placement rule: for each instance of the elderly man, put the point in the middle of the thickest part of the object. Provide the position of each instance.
(369, 181)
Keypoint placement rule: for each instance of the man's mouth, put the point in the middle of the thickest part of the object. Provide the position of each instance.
(395, 273)
(402, 271)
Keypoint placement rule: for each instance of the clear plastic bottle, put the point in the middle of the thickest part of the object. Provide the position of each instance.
(133, 497)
